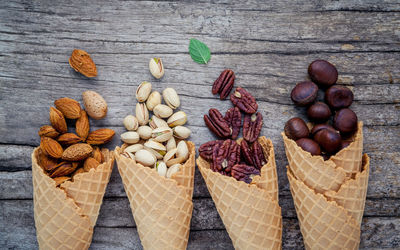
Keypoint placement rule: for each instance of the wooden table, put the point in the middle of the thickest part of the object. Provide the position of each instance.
(268, 45)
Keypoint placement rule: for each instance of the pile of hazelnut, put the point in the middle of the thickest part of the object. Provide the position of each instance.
(324, 139)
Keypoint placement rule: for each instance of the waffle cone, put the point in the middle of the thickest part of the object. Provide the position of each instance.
(250, 212)
(64, 219)
(162, 208)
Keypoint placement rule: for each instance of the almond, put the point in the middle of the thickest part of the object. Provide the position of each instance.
(57, 120)
(97, 154)
(51, 147)
(77, 152)
(82, 125)
(68, 139)
(100, 136)
(78, 171)
(81, 62)
(63, 168)
(47, 163)
(70, 108)
(90, 163)
(61, 180)
(48, 131)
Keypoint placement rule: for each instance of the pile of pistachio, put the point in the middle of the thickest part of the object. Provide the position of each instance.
(155, 142)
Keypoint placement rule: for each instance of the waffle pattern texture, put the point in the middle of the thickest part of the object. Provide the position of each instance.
(65, 217)
(329, 196)
(162, 208)
(250, 212)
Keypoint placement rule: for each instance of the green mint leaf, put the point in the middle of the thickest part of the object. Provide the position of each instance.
(199, 52)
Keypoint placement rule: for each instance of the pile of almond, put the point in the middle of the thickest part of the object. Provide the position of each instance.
(155, 142)
(63, 154)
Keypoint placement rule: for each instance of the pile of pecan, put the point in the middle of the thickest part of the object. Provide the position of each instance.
(240, 159)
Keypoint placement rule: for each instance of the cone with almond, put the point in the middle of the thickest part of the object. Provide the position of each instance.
(70, 174)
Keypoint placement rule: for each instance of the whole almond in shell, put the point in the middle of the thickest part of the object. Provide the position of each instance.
(70, 108)
(68, 139)
(82, 125)
(64, 168)
(57, 120)
(81, 62)
(51, 147)
(77, 152)
(95, 105)
(100, 136)
(61, 180)
(48, 131)
(90, 163)
(46, 162)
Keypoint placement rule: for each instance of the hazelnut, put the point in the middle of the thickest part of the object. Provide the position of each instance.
(309, 145)
(319, 112)
(328, 140)
(319, 127)
(296, 129)
(345, 120)
(338, 97)
(323, 73)
(304, 93)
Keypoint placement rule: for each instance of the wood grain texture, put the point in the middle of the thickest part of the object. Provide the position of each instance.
(268, 45)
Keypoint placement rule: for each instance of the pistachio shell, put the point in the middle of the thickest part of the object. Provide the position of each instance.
(158, 154)
(171, 98)
(129, 155)
(173, 169)
(161, 168)
(182, 150)
(153, 100)
(144, 132)
(156, 67)
(177, 119)
(156, 122)
(133, 148)
(144, 157)
(131, 123)
(175, 161)
(170, 155)
(162, 111)
(161, 134)
(155, 145)
(142, 114)
(143, 91)
(130, 137)
(181, 132)
(171, 144)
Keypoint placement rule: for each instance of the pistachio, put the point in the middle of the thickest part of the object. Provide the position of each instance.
(161, 134)
(156, 67)
(161, 168)
(130, 137)
(170, 155)
(142, 114)
(181, 132)
(155, 145)
(177, 119)
(171, 144)
(144, 157)
(182, 150)
(130, 122)
(133, 148)
(129, 155)
(162, 111)
(173, 169)
(143, 91)
(153, 100)
(156, 122)
(175, 161)
(144, 132)
(158, 154)
(171, 98)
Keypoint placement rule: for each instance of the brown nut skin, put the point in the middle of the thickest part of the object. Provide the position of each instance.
(242, 172)
(338, 97)
(344, 144)
(225, 156)
(309, 145)
(328, 140)
(319, 112)
(252, 125)
(224, 84)
(345, 121)
(296, 129)
(234, 119)
(206, 149)
(319, 127)
(217, 124)
(244, 101)
(323, 73)
(304, 93)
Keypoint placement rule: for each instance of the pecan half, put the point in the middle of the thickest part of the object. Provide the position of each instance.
(252, 126)
(224, 84)
(244, 101)
(217, 124)
(234, 119)
(225, 156)
(258, 155)
(242, 172)
(206, 149)
(247, 154)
